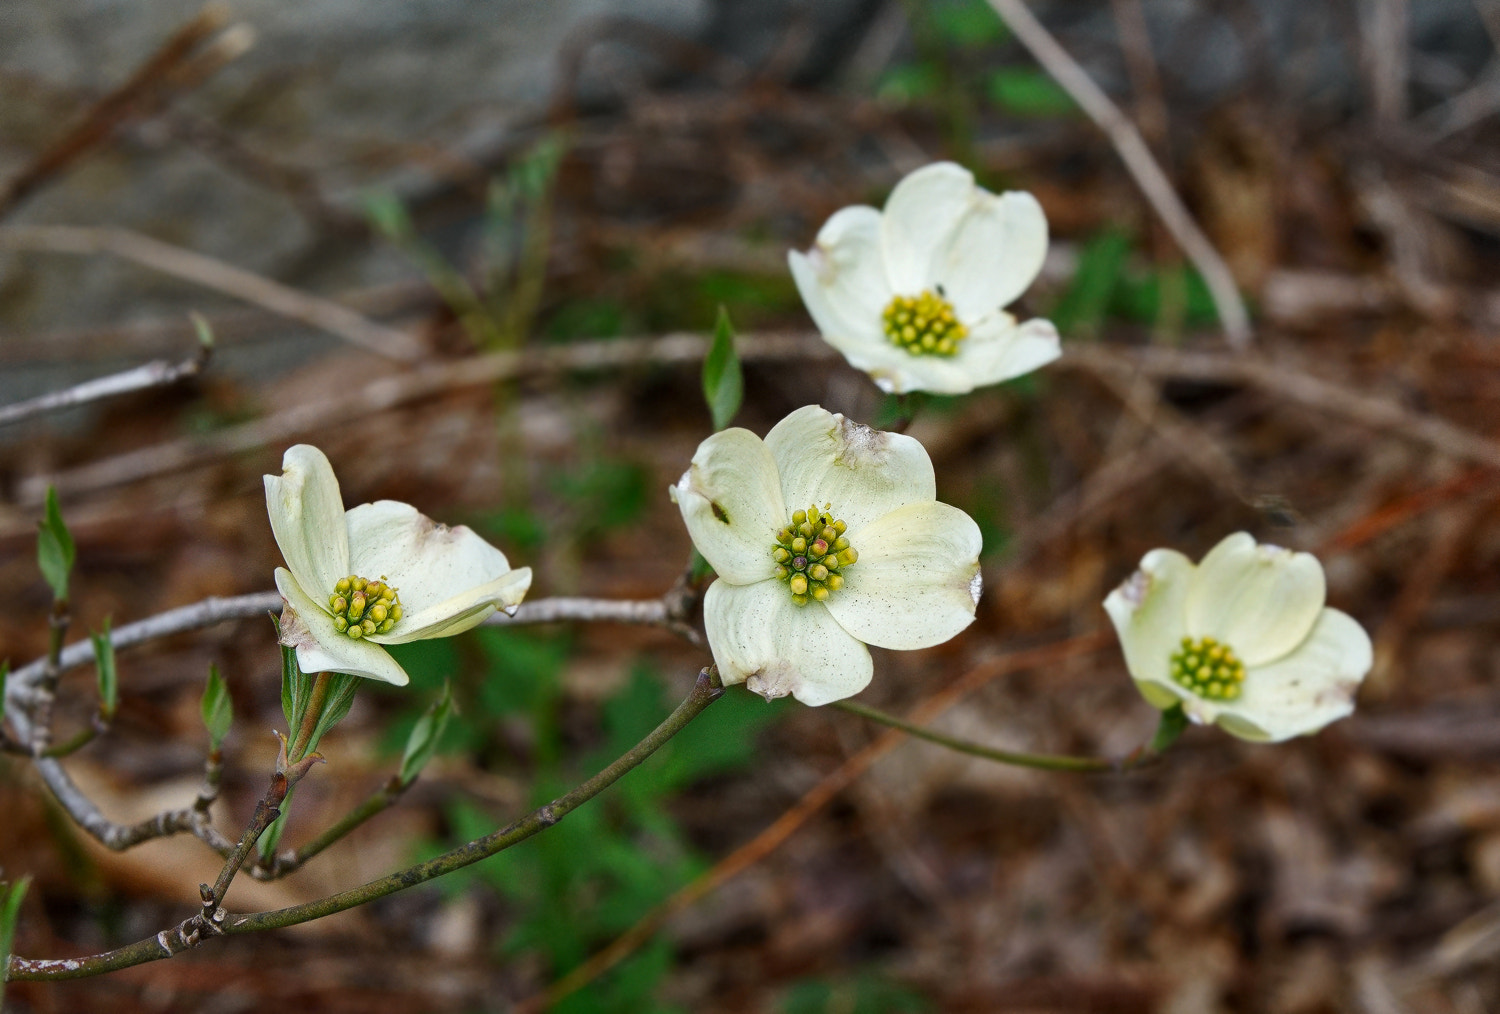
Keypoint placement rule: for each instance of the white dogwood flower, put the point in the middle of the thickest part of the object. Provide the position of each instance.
(1241, 639)
(915, 295)
(826, 536)
(379, 574)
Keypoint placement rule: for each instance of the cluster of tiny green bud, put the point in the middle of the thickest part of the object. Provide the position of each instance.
(924, 325)
(811, 554)
(362, 607)
(1208, 668)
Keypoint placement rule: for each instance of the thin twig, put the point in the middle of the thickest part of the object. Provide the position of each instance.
(1016, 758)
(154, 374)
(812, 801)
(144, 91)
(314, 311)
(375, 803)
(1136, 155)
(217, 610)
(192, 931)
(1285, 382)
(26, 687)
(390, 392)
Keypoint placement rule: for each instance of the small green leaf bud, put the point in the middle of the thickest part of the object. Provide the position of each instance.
(340, 624)
(357, 606)
(798, 517)
(799, 545)
(798, 584)
(835, 582)
(368, 626)
(818, 572)
(848, 557)
(819, 593)
(342, 586)
(780, 555)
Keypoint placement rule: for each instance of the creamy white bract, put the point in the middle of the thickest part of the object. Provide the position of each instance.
(1241, 639)
(790, 617)
(915, 295)
(425, 579)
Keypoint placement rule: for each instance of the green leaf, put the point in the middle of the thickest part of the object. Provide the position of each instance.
(4, 672)
(336, 704)
(10, 913)
(1026, 91)
(296, 686)
(104, 667)
(1101, 268)
(1173, 721)
(203, 329)
(909, 83)
(968, 24)
(218, 709)
(388, 215)
(723, 384)
(425, 736)
(54, 547)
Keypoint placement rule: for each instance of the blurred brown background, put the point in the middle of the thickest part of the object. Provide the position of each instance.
(563, 178)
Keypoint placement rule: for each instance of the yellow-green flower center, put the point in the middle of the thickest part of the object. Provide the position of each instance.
(1209, 669)
(362, 607)
(924, 325)
(812, 555)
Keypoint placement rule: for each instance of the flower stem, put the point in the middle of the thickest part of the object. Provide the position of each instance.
(190, 933)
(1046, 762)
(315, 701)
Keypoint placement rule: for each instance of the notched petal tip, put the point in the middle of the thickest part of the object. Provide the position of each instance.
(976, 585)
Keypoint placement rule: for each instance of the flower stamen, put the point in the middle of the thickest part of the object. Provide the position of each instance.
(362, 607)
(1208, 668)
(812, 553)
(924, 325)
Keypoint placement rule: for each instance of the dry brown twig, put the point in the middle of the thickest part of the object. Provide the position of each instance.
(155, 374)
(181, 63)
(1136, 155)
(323, 314)
(390, 392)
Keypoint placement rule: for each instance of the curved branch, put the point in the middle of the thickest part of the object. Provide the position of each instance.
(193, 931)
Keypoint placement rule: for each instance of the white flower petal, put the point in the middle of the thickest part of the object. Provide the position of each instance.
(307, 518)
(997, 349)
(918, 223)
(449, 579)
(1305, 690)
(461, 612)
(842, 278)
(775, 648)
(913, 585)
(994, 253)
(307, 627)
(863, 473)
(1148, 612)
(731, 501)
(1260, 600)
